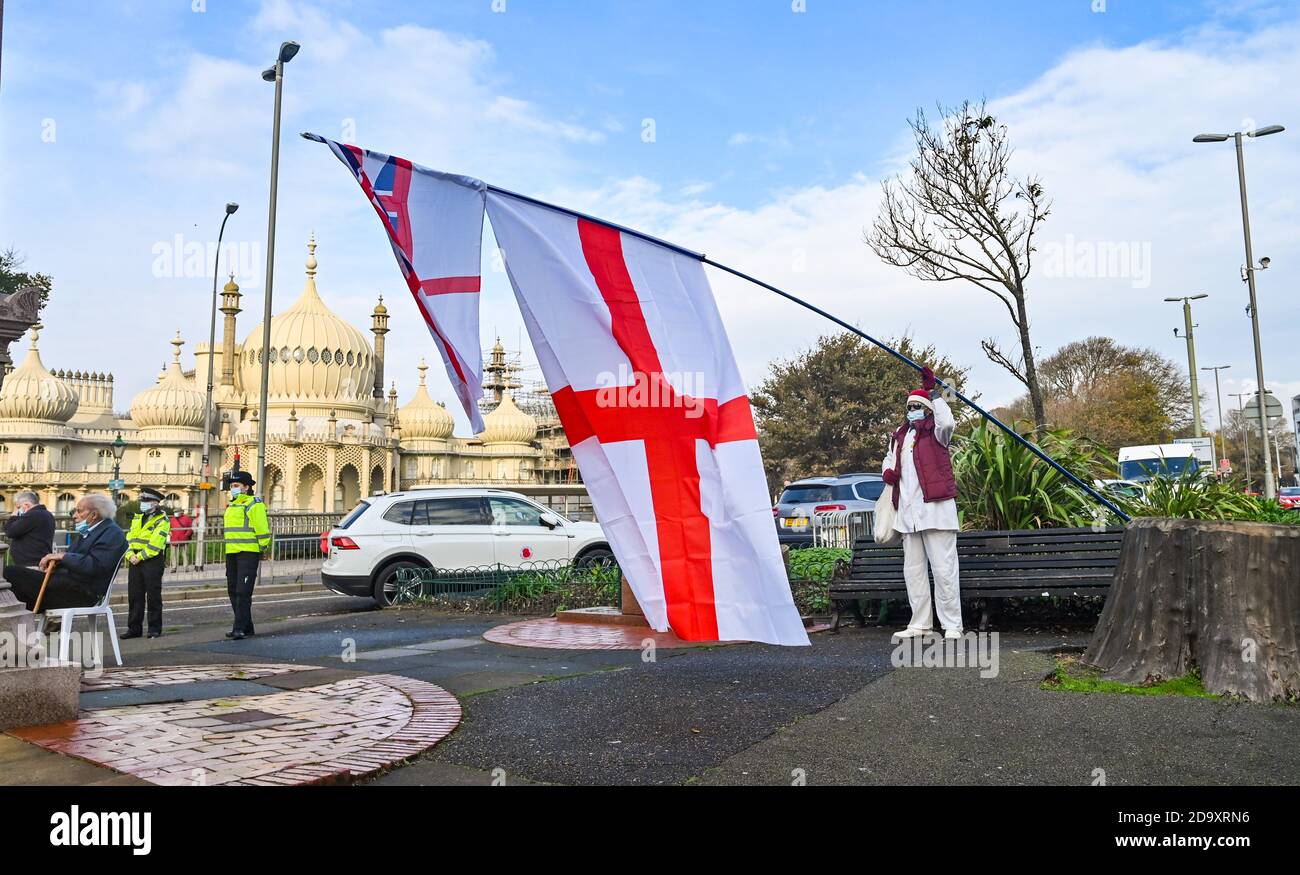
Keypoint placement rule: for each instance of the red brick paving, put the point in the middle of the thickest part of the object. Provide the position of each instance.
(552, 634)
(332, 733)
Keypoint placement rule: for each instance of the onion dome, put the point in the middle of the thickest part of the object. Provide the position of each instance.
(30, 392)
(172, 402)
(507, 424)
(422, 418)
(319, 361)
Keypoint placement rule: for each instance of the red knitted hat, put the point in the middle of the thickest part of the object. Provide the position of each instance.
(921, 396)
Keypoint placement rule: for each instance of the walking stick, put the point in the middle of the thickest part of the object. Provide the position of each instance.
(40, 596)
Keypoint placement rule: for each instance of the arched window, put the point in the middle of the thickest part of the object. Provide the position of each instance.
(65, 503)
(36, 458)
(184, 462)
(412, 468)
(155, 464)
(104, 461)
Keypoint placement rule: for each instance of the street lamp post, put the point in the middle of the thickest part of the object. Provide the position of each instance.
(1270, 488)
(205, 470)
(1245, 430)
(118, 447)
(271, 74)
(1218, 402)
(1191, 358)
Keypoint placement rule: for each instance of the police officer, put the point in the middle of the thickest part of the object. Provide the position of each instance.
(247, 536)
(146, 545)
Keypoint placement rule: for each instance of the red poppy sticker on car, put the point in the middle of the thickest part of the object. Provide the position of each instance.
(526, 553)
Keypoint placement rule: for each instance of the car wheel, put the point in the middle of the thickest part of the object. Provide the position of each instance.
(388, 590)
(596, 558)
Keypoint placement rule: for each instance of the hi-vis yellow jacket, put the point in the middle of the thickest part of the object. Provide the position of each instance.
(148, 535)
(247, 530)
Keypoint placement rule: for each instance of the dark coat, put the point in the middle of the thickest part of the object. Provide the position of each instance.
(93, 559)
(30, 536)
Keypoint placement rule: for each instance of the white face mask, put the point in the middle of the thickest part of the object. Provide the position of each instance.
(236, 491)
(915, 415)
(147, 506)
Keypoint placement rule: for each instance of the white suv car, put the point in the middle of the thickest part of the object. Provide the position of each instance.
(449, 528)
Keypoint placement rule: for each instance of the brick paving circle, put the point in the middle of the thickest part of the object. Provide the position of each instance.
(551, 634)
(332, 733)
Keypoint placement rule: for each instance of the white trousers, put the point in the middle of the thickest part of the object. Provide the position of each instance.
(936, 550)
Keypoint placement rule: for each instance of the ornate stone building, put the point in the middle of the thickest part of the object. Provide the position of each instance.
(333, 434)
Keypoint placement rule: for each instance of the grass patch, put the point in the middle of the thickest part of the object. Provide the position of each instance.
(1070, 676)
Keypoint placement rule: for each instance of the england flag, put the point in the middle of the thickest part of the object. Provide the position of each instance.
(628, 336)
(435, 225)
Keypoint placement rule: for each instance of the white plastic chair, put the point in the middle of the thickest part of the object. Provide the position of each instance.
(67, 616)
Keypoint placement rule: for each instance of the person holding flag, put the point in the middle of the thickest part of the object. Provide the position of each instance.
(146, 543)
(918, 470)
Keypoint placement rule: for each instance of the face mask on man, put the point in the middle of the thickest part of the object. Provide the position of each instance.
(236, 490)
(148, 506)
(83, 527)
(915, 415)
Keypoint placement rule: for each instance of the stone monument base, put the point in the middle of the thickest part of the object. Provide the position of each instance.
(34, 687)
(629, 615)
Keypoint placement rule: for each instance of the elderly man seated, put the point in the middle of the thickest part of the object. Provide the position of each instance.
(83, 574)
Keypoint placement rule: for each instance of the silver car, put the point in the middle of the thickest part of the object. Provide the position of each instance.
(800, 500)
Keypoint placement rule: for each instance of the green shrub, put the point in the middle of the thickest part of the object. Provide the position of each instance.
(1001, 484)
(816, 563)
(1192, 496)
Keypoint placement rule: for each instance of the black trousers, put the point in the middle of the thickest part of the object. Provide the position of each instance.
(62, 592)
(241, 575)
(144, 588)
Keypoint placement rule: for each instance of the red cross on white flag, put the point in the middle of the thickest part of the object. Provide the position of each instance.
(628, 336)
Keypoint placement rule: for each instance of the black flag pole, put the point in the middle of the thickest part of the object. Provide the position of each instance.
(1011, 432)
(1029, 445)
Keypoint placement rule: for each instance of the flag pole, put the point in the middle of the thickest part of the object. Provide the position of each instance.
(1029, 445)
(1012, 433)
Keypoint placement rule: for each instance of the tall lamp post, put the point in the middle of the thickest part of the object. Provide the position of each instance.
(1270, 488)
(1191, 358)
(271, 74)
(1218, 402)
(118, 447)
(1245, 429)
(205, 473)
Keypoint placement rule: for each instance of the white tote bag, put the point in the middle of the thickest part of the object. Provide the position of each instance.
(883, 518)
(882, 522)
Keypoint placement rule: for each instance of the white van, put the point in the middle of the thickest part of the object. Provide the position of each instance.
(1140, 464)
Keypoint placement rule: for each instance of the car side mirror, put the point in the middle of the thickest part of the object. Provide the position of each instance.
(549, 520)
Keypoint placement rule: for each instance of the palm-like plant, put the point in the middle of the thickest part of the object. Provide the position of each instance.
(1002, 485)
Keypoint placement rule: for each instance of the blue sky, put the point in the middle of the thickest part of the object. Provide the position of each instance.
(126, 123)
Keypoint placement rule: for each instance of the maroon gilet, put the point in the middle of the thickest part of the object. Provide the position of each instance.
(932, 460)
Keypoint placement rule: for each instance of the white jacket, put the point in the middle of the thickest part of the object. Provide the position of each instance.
(915, 514)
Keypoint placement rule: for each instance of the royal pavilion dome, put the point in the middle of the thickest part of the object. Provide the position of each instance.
(31, 394)
(422, 418)
(319, 362)
(507, 424)
(173, 402)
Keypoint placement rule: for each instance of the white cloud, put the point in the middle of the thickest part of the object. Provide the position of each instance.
(1108, 129)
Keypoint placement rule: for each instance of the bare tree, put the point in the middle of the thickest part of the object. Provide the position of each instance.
(958, 214)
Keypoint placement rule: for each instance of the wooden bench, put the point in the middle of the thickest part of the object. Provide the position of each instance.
(1014, 564)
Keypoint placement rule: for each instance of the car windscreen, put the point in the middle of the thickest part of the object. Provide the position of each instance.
(1145, 469)
(1290, 491)
(354, 515)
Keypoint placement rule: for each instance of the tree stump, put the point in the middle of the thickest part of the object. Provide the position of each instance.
(1220, 597)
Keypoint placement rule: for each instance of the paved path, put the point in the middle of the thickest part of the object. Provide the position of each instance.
(838, 710)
